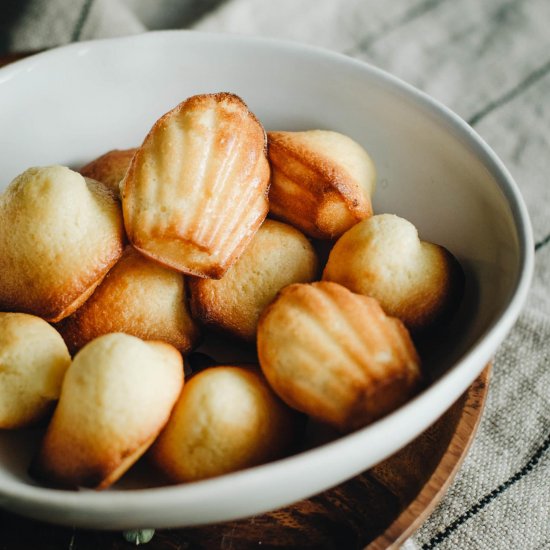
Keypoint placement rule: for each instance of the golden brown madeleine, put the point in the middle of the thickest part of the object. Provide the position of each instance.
(226, 419)
(416, 281)
(109, 168)
(196, 190)
(33, 361)
(137, 297)
(336, 355)
(116, 397)
(59, 236)
(321, 181)
(277, 256)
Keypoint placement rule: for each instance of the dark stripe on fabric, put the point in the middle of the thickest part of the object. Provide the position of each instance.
(542, 243)
(527, 82)
(196, 10)
(410, 15)
(82, 17)
(487, 499)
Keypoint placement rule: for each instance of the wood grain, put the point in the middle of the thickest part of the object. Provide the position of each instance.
(458, 427)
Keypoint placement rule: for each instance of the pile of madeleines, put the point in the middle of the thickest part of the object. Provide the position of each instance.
(110, 275)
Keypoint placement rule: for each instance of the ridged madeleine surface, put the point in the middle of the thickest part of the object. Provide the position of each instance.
(227, 418)
(33, 361)
(59, 235)
(137, 297)
(419, 282)
(321, 181)
(336, 355)
(278, 255)
(109, 168)
(116, 397)
(196, 190)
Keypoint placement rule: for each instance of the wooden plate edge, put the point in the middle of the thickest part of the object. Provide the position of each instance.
(435, 488)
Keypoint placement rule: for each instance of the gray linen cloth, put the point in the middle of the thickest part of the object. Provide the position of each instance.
(488, 61)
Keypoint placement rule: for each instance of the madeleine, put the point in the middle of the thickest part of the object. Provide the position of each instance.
(322, 181)
(109, 168)
(196, 190)
(137, 297)
(33, 362)
(335, 355)
(278, 255)
(419, 282)
(59, 236)
(116, 397)
(226, 419)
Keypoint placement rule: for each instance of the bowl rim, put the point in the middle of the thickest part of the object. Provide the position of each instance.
(453, 382)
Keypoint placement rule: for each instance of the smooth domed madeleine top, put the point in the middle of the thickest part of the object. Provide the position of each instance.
(137, 297)
(321, 181)
(196, 190)
(226, 419)
(59, 236)
(277, 256)
(336, 355)
(419, 282)
(109, 168)
(33, 362)
(116, 397)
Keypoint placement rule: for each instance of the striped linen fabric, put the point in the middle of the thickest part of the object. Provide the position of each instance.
(488, 61)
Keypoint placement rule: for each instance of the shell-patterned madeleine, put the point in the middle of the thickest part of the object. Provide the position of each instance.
(116, 397)
(321, 181)
(60, 233)
(196, 190)
(336, 355)
(109, 168)
(138, 297)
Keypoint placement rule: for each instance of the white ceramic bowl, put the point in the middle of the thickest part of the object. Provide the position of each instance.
(74, 103)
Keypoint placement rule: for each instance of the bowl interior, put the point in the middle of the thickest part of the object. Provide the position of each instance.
(73, 104)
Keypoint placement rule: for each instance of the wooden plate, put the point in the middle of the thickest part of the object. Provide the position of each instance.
(376, 510)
